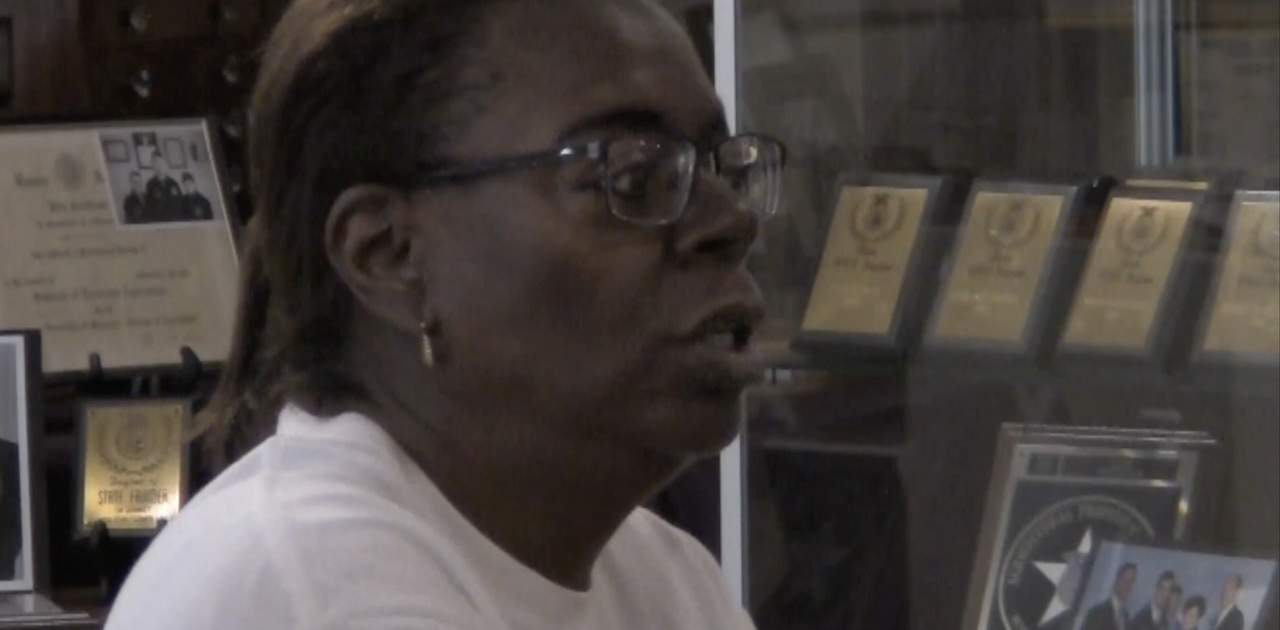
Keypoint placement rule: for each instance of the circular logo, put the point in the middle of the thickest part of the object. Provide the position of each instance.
(877, 218)
(1143, 231)
(1266, 236)
(1044, 568)
(1012, 225)
(68, 171)
(134, 444)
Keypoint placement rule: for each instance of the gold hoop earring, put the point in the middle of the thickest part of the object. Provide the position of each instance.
(428, 352)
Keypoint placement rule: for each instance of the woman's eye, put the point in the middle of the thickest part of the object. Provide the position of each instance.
(633, 183)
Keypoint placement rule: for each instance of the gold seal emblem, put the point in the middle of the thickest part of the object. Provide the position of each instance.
(69, 171)
(134, 444)
(877, 218)
(1143, 231)
(1012, 225)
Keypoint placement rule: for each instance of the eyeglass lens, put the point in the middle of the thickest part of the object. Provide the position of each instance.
(650, 180)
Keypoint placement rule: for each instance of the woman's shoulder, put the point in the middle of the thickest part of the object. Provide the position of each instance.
(661, 568)
(648, 543)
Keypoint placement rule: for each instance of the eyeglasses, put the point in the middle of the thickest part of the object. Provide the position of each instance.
(648, 179)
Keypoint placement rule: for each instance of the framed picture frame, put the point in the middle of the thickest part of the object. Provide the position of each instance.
(1006, 274)
(1136, 280)
(109, 251)
(132, 465)
(1055, 493)
(870, 293)
(23, 548)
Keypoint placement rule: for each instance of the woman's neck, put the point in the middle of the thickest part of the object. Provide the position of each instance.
(549, 500)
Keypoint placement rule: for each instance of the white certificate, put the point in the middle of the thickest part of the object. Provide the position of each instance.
(115, 239)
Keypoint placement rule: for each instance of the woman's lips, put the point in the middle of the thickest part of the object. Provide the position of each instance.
(720, 355)
(720, 365)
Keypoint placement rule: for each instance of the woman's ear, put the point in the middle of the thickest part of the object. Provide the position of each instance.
(369, 239)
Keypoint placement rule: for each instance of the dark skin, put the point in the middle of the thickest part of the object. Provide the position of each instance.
(567, 390)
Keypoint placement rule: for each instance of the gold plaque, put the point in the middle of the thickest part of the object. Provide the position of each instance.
(1245, 313)
(864, 263)
(133, 469)
(1000, 261)
(1128, 271)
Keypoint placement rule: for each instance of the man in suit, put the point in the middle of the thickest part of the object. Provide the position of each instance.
(164, 195)
(1231, 618)
(196, 205)
(135, 203)
(1175, 606)
(1111, 614)
(1155, 615)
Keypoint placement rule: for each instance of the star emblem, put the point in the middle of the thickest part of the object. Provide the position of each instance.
(1066, 577)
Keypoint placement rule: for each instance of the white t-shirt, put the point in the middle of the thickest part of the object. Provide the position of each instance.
(328, 525)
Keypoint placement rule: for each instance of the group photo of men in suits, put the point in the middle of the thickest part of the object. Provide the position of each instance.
(1166, 609)
(157, 194)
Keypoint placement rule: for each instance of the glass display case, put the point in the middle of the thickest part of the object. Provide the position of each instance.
(1024, 328)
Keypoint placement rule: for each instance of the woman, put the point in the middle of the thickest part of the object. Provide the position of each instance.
(495, 299)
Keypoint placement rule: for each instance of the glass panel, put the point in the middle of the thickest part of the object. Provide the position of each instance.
(1025, 314)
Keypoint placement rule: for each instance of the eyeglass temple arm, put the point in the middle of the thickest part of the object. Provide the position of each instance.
(484, 168)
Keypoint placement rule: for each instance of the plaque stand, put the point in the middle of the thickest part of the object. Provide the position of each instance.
(112, 557)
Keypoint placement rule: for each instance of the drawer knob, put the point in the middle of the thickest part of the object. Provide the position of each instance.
(141, 83)
(138, 19)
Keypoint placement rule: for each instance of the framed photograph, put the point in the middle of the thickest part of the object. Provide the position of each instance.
(144, 147)
(116, 151)
(132, 464)
(869, 292)
(1136, 278)
(175, 153)
(22, 517)
(128, 259)
(1058, 492)
(998, 293)
(1241, 322)
(1157, 587)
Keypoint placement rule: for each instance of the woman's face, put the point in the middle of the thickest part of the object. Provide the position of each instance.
(554, 312)
(1190, 618)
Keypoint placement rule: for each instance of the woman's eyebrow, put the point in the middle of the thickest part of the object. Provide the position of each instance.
(629, 118)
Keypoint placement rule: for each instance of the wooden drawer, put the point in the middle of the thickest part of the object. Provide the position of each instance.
(122, 22)
(116, 22)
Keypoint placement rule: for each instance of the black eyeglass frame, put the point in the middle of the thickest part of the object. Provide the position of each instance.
(596, 151)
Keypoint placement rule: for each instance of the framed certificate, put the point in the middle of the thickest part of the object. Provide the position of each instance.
(1004, 267)
(1057, 492)
(1241, 325)
(1136, 277)
(117, 240)
(22, 516)
(133, 464)
(870, 289)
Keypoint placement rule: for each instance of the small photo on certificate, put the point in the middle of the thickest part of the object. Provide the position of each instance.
(1136, 587)
(161, 176)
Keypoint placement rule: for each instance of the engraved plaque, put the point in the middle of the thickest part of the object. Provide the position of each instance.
(1245, 312)
(132, 463)
(1128, 273)
(1000, 262)
(865, 262)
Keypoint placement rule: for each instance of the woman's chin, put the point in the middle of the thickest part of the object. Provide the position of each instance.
(699, 428)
